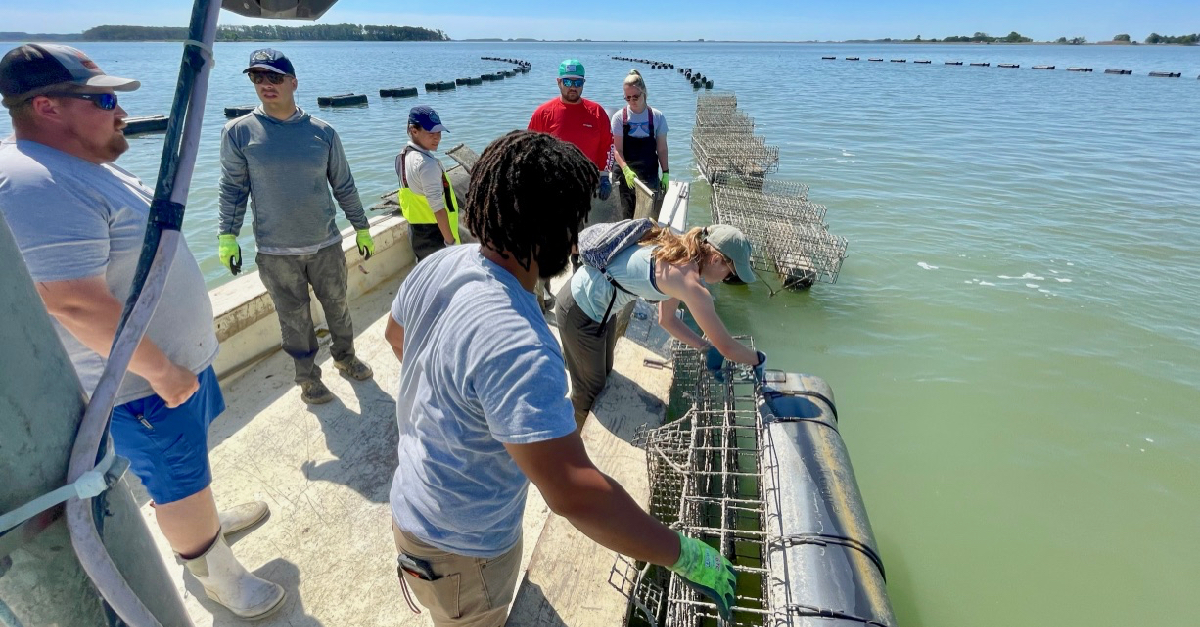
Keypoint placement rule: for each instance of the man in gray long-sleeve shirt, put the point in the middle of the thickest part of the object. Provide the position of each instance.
(286, 161)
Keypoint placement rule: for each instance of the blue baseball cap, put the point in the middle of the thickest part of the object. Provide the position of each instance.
(270, 60)
(425, 117)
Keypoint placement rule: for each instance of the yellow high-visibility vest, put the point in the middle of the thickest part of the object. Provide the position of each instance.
(415, 207)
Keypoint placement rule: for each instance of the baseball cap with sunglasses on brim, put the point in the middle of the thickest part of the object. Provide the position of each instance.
(32, 70)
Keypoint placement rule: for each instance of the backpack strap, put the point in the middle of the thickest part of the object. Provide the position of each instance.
(403, 172)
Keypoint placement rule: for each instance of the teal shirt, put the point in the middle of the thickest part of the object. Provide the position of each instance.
(633, 268)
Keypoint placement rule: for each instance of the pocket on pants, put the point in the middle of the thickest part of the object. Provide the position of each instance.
(439, 596)
(500, 577)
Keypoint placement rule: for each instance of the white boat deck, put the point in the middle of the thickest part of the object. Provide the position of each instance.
(326, 470)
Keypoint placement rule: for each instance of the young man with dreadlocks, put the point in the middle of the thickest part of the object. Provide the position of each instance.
(482, 406)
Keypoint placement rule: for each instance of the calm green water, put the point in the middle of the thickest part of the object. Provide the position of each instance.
(1015, 337)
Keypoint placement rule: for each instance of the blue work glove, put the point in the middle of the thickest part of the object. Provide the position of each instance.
(706, 571)
(714, 361)
(605, 186)
(761, 367)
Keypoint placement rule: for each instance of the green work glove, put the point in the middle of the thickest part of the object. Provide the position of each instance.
(706, 571)
(665, 180)
(229, 252)
(366, 245)
(630, 175)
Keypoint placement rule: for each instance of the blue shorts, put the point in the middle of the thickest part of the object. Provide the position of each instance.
(169, 450)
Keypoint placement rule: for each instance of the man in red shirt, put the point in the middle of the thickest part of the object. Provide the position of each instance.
(575, 119)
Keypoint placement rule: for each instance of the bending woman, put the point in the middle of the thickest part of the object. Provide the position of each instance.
(663, 267)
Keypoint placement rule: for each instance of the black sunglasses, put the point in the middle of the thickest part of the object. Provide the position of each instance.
(271, 77)
(108, 102)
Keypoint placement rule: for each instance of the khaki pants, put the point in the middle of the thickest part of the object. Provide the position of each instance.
(468, 591)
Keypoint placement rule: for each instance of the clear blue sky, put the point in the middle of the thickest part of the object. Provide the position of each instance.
(1096, 20)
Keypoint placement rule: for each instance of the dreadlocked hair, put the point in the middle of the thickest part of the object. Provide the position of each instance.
(529, 195)
(679, 249)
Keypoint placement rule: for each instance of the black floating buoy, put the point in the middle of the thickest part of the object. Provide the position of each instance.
(446, 85)
(342, 100)
(487, 77)
(954, 63)
(509, 73)
(460, 81)
(145, 124)
(708, 84)
(397, 92)
(1010, 66)
(923, 62)
(431, 86)
(828, 58)
(876, 59)
(1079, 69)
(899, 61)
(851, 58)
(1043, 67)
(233, 112)
(474, 80)
(1166, 74)
(499, 75)
(1116, 71)
(981, 65)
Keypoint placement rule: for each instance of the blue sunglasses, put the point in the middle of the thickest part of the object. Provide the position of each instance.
(572, 82)
(108, 102)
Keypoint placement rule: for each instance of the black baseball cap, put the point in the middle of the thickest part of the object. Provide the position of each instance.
(270, 60)
(29, 68)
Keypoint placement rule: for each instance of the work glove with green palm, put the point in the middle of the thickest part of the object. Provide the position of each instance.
(366, 245)
(706, 571)
(229, 252)
(666, 178)
(630, 175)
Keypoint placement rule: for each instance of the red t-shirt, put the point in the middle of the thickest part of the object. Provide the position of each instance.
(585, 124)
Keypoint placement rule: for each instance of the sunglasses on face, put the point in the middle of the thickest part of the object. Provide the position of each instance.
(633, 98)
(107, 102)
(271, 77)
(572, 82)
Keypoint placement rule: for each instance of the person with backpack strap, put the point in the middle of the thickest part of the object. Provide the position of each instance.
(427, 199)
(640, 143)
(632, 259)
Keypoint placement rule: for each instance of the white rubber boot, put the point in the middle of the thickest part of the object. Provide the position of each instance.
(227, 582)
(241, 516)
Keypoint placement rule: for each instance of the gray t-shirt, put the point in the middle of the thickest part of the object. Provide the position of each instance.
(639, 123)
(73, 219)
(286, 167)
(481, 369)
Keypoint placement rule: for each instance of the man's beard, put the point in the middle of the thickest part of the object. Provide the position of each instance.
(572, 98)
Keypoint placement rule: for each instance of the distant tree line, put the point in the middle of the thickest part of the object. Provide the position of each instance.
(1190, 40)
(271, 32)
(1012, 38)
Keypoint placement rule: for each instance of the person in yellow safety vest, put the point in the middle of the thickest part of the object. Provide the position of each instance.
(426, 196)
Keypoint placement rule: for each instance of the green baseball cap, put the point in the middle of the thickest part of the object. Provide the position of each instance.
(571, 68)
(733, 244)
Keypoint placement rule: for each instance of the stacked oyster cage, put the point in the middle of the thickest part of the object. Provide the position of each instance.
(705, 475)
(788, 231)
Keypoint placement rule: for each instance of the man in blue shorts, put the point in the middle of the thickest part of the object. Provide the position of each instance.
(79, 221)
(482, 406)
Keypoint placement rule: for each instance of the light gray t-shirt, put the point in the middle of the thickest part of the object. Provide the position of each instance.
(73, 219)
(639, 123)
(481, 369)
(424, 173)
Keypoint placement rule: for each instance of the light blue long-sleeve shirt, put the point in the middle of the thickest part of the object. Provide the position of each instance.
(286, 168)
